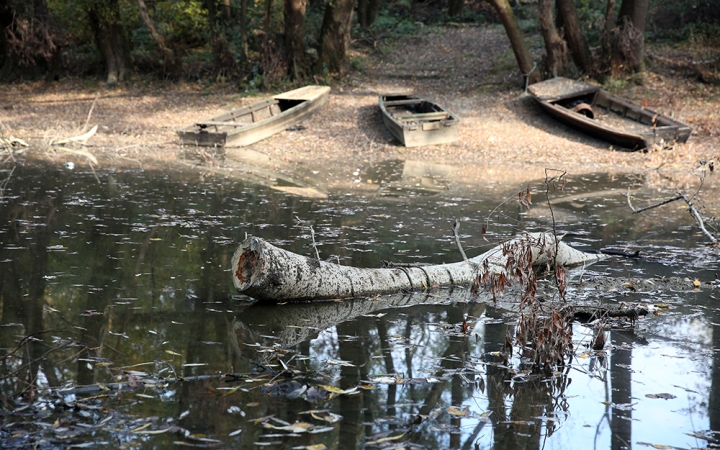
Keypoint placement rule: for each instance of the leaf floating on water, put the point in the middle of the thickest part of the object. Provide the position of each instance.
(316, 430)
(89, 444)
(384, 380)
(332, 389)
(327, 416)
(339, 362)
(386, 439)
(455, 411)
(260, 420)
(662, 395)
(297, 427)
(659, 446)
(697, 283)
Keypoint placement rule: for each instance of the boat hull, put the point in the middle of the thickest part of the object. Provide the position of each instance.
(415, 121)
(614, 119)
(251, 124)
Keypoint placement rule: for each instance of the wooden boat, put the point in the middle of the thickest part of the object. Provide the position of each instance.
(415, 121)
(248, 125)
(593, 111)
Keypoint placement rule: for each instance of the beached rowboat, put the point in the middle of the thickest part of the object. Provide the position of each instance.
(600, 114)
(248, 125)
(415, 121)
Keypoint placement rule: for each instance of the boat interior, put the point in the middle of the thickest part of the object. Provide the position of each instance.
(601, 105)
(251, 114)
(407, 108)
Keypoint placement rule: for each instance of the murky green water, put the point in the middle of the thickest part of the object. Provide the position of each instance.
(127, 280)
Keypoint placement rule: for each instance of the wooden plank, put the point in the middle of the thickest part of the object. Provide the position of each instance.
(221, 124)
(423, 116)
(410, 101)
(304, 93)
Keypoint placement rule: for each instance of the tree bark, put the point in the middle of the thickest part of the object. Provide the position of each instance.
(574, 36)
(522, 55)
(243, 30)
(455, 7)
(624, 44)
(555, 47)
(226, 9)
(294, 47)
(168, 55)
(268, 273)
(367, 11)
(335, 37)
(104, 16)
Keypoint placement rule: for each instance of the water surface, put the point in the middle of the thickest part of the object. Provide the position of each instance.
(125, 278)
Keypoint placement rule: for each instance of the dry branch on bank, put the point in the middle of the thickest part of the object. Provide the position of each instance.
(268, 273)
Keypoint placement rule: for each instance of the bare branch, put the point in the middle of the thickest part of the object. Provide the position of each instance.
(455, 229)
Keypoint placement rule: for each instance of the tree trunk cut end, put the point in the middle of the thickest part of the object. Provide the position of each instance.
(245, 262)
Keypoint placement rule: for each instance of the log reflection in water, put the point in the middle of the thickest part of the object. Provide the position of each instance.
(291, 324)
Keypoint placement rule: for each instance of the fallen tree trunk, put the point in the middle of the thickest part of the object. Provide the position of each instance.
(268, 273)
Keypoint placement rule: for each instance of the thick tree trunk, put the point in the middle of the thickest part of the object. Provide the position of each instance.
(105, 22)
(631, 20)
(522, 55)
(455, 7)
(367, 11)
(243, 30)
(555, 47)
(226, 9)
(294, 47)
(335, 37)
(574, 36)
(268, 273)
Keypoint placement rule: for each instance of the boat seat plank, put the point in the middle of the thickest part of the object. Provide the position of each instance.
(409, 101)
(208, 123)
(423, 116)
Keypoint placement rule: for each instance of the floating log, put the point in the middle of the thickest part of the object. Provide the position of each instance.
(268, 273)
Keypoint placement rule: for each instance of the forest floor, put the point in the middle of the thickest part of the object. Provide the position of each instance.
(504, 136)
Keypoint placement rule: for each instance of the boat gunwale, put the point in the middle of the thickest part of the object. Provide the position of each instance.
(451, 116)
(612, 134)
(226, 136)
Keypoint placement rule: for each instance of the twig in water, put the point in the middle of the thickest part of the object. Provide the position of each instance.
(455, 229)
(312, 234)
(559, 272)
(693, 212)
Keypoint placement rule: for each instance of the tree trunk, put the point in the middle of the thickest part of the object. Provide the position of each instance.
(631, 40)
(455, 7)
(371, 13)
(522, 55)
(226, 9)
(574, 36)
(294, 47)
(243, 30)
(104, 16)
(268, 273)
(555, 47)
(169, 61)
(362, 7)
(367, 11)
(335, 37)
(623, 44)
